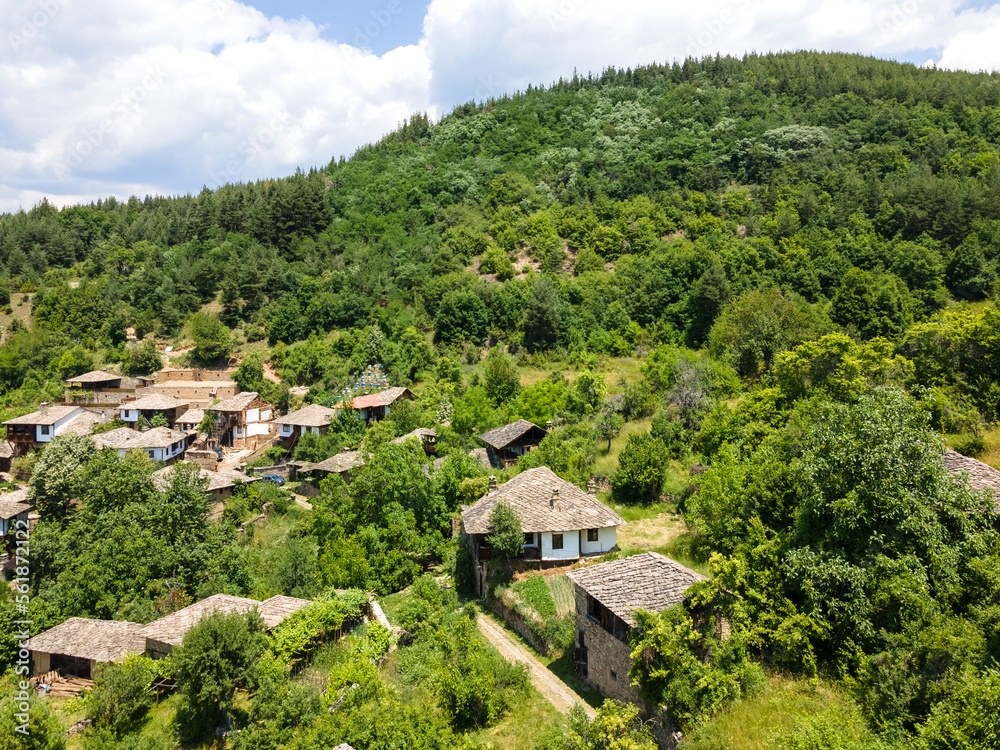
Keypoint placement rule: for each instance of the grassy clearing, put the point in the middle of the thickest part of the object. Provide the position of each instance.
(605, 461)
(563, 595)
(652, 532)
(529, 721)
(613, 370)
(782, 706)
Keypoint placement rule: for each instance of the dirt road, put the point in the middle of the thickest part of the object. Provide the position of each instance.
(558, 693)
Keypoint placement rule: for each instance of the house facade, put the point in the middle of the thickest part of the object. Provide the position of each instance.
(148, 406)
(561, 522)
(14, 509)
(607, 595)
(505, 445)
(313, 418)
(376, 406)
(161, 444)
(240, 421)
(40, 427)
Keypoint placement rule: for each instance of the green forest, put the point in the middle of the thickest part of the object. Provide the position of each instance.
(756, 298)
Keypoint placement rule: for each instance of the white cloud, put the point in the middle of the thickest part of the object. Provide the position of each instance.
(108, 96)
(114, 97)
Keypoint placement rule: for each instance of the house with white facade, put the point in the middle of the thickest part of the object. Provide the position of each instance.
(148, 406)
(34, 430)
(161, 444)
(240, 421)
(561, 522)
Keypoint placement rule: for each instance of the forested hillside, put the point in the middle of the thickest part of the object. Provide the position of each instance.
(765, 291)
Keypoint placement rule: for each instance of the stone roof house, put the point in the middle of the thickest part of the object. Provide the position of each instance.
(425, 435)
(95, 380)
(78, 645)
(312, 418)
(160, 443)
(506, 444)
(14, 508)
(342, 464)
(190, 420)
(240, 420)
(561, 522)
(607, 596)
(34, 430)
(148, 406)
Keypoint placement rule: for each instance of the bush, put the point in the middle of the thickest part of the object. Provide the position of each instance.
(121, 697)
(642, 467)
(506, 538)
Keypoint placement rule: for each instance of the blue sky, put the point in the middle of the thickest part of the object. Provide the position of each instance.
(380, 25)
(114, 97)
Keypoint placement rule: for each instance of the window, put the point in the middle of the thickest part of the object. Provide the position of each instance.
(592, 535)
(152, 454)
(557, 541)
(614, 676)
(45, 429)
(529, 539)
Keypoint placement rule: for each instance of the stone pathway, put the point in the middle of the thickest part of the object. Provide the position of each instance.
(557, 692)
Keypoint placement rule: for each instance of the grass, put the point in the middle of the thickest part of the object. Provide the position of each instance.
(783, 705)
(613, 370)
(563, 595)
(605, 461)
(534, 592)
(530, 720)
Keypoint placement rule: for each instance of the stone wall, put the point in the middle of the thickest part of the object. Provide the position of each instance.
(516, 623)
(608, 659)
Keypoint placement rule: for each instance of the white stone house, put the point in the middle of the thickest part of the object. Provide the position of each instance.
(161, 444)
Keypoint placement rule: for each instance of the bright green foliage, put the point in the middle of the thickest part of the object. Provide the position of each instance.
(969, 717)
(617, 726)
(316, 622)
(143, 359)
(501, 379)
(542, 402)
(692, 674)
(217, 656)
(44, 731)
(535, 593)
(55, 482)
(249, 376)
(212, 339)
(120, 697)
(641, 469)
(505, 536)
(461, 316)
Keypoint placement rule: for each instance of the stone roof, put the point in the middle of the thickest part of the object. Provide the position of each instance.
(14, 502)
(126, 438)
(83, 424)
(48, 415)
(312, 415)
(239, 402)
(338, 464)
(421, 433)
(171, 629)
(6, 449)
(94, 376)
(191, 416)
(648, 581)
(981, 476)
(504, 436)
(155, 402)
(530, 494)
(382, 398)
(217, 480)
(98, 640)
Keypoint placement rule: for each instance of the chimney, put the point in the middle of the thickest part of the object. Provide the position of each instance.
(43, 407)
(493, 485)
(548, 426)
(554, 500)
(592, 487)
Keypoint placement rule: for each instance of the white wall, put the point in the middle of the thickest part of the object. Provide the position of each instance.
(130, 415)
(570, 550)
(265, 415)
(61, 424)
(606, 539)
(253, 415)
(257, 428)
(287, 429)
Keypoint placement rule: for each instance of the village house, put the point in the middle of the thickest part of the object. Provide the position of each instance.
(313, 419)
(78, 645)
(148, 406)
(101, 387)
(34, 430)
(94, 381)
(240, 421)
(561, 522)
(607, 596)
(163, 635)
(14, 508)
(376, 406)
(219, 488)
(342, 464)
(197, 387)
(506, 444)
(426, 436)
(981, 476)
(190, 420)
(161, 444)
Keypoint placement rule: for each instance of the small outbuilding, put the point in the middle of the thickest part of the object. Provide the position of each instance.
(607, 596)
(342, 464)
(148, 406)
(312, 418)
(506, 444)
(14, 508)
(425, 435)
(78, 645)
(95, 381)
(376, 406)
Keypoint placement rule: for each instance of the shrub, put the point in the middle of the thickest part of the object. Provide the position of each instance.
(121, 697)
(641, 469)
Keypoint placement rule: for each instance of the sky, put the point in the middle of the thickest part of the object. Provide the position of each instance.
(116, 97)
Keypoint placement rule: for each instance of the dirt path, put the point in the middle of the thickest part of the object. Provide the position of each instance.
(557, 692)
